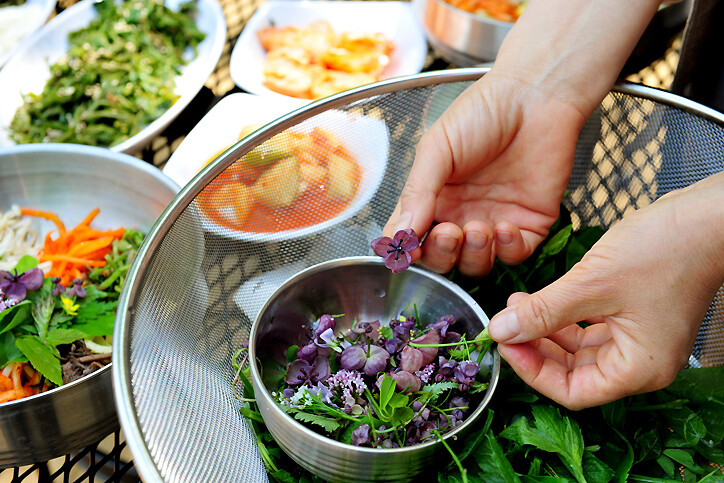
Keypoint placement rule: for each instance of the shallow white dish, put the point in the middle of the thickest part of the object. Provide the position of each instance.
(353, 130)
(29, 68)
(34, 13)
(220, 128)
(395, 20)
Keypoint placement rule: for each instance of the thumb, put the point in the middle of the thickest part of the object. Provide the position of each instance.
(545, 312)
(432, 167)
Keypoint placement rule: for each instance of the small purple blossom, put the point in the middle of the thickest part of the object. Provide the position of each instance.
(361, 435)
(300, 371)
(323, 392)
(5, 303)
(325, 322)
(425, 373)
(77, 289)
(370, 361)
(396, 250)
(57, 286)
(346, 384)
(16, 286)
(308, 352)
(442, 324)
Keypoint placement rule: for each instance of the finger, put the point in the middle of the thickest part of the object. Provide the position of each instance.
(430, 171)
(575, 338)
(516, 297)
(512, 245)
(570, 299)
(476, 254)
(584, 386)
(441, 248)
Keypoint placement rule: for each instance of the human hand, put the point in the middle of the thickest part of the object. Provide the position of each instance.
(491, 171)
(644, 288)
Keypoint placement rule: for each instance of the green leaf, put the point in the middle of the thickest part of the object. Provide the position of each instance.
(387, 390)
(43, 358)
(20, 314)
(694, 429)
(251, 414)
(685, 458)
(614, 413)
(699, 385)
(595, 470)
(667, 465)
(402, 415)
(624, 466)
(42, 311)
(292, 353)
(554, 433)
(9, 351)
(648, 445)
(398, 400)
(283, 476)
(57, 337)
(574, 252)
(386, 332)
(493, 463)
(26, 263)
(328, 424)
(554, 245)
(436, 389)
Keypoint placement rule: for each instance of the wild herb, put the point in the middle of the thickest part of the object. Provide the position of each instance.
(674, 434)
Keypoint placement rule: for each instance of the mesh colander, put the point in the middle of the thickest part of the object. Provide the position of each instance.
(198, 285)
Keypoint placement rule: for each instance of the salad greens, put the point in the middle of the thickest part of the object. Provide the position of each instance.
(117, 77)
(38, 328)
(674, 434)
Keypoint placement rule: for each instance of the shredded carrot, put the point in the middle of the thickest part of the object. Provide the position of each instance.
(12, 386)
(503, 10)
(73, 252)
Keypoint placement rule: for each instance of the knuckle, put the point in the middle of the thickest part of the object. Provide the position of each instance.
(541, 312)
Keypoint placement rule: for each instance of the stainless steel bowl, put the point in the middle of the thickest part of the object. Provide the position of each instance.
(362, 286)
(462, 38)
(71, 180)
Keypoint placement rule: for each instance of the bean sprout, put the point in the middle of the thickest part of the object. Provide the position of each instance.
(17, 238)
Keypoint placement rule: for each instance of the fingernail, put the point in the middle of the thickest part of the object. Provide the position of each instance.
(446, 243)
(404, 221)
(475, 240)
(504, 237)
(504, 326)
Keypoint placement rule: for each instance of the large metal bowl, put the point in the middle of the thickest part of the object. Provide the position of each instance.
(365, 288)
(466, 39)
(71, 180)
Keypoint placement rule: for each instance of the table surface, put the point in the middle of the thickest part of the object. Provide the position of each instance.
(110, 459)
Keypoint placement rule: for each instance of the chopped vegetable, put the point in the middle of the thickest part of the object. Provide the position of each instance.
(118, 76)
(75, 250)
(503, 10)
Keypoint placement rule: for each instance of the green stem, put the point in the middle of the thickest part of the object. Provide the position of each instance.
(455, 458)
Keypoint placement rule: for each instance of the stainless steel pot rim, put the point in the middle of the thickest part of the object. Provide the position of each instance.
(122, 386)
(370, 260)
(13, 405)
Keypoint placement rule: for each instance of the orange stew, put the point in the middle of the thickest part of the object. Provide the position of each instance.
(503, 10)
(314, 181)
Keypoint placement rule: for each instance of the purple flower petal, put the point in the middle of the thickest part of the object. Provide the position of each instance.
(78, 288)
(325, 322)
(398, 264)
(309, 352)
(32, 279)
(443, 323)
(353, 358)
(429, 353)
(411, 359)
(297, 372)
(320, 370)
(361, 435)
(407, 239)
(15, 291)
(407, 381)
(381, 245)
(376, 361)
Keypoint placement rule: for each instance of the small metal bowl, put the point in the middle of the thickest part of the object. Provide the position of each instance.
(71, 180)
(364, 287)
(462, 38)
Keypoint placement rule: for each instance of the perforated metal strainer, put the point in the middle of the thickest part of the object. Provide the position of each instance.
(197, 286)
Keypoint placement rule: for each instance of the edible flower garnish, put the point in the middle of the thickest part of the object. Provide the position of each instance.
(15, 287)
(396, 250)
(68, 305)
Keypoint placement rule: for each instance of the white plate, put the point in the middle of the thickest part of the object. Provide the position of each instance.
(353, 130)
(220, 128)
(395, 20)
(34, 13)
(29, 68)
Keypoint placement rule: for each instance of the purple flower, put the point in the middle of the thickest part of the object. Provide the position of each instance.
(325, 322)
(77, 289)
(308, 352)
(16, 286)
(425, 373)
(396, 251)
(466, 370)
(443, 323)
(57, 286)
(393, 345)
(361, 435)
(323, 392)
(300, 371)
(371, 329)
(347, 385)
(5, 303)
(370, 361)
